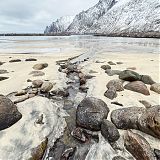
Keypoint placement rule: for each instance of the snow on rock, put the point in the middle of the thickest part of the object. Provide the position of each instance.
(18, 141)
(60, 25)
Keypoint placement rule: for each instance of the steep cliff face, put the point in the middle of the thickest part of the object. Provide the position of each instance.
(60, 25)
(85, 20)
(121, 16)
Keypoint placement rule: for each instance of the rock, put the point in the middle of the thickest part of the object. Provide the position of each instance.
(21, 99)
(46, 86)
(38, 152)
(111, 93)
(15, 60)
(40, 120)
(29, 80)
(109, 131)
(129, 75)
(119, 62)
(100, 61)
(155, 87)
(37, 73)
(71, 68)
(90, 113)
(82, 81)
(60, 92)
(9, 113)
(137, 86)
(117, 83)
(37, 83)
(145, 103)
(117, 103)
(21, 93)
(2, 71)
(111, 63)
(92, 72)
(126, 118)
(105, 67)
(138, 146)
(40, 66)
(30, 59)
(149, 122)
(118, 158)
(147, 79)
(157, 153)
(131, 68)
(3, 78)
(112, 72)
(1, 63)
(78, 134)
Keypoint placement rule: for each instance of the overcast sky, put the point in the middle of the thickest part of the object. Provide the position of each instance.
(33, 15)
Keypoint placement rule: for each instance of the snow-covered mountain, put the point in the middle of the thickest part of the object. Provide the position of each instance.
(116, 17)
(60, 25)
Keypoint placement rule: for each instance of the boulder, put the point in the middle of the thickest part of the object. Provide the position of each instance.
(9, 113)
(119, 62)
(137, 86)
(111, 93)
(106, 67)
(129, 75)
(155, 87)
(40, 66)
(147, 79)
(109, 131)
(37, 83)
(138, 146)
(117, 83)
(46, 86)
(90, 113)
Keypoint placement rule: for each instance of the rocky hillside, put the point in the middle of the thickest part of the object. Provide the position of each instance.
(60, 25)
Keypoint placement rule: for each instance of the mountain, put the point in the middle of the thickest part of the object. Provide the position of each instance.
(60, 25)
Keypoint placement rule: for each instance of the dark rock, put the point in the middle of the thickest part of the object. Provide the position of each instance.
(78, 134)
(117, 103)
(38, 152)
(109, 131)
(15, 60)
(129, 75)
(117, 83)
(119, 62)
(157, 153)
(1, 63)
(137, 86)
(155, 87)
(3, 78)
(145, 103)
(138, 146)
(9, 113)
(105, 67)
(126, 118)
(2, 71)
(37, 83)
(131, 68)
(82, 81)
(28, 80)
(30, 59)
(40, 66)
(37, 73)
(111, 93)
(118, 158)
(90, 113)
(147, 79)
(111, 63)
(60, 92)
(46, 86)
(112, 72)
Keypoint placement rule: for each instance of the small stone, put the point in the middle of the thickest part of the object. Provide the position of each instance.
(147, 79)
(40, 66)
(117, 103)
(155, 87)
(111, 93)
(131, 68)
(46, 86)
(3, 78)
(105, 67)
(117, 83)
(37, 83)
(112, 72)
(92, 72)
(15, 60)
(109, 131)
(1, 63)
(111, 63)
(2, 71)
(137, 86)
(21, 99)
(30, 59)
(37, 73)
(23, 92)
(40, 119)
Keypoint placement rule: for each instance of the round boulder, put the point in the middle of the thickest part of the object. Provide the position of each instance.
(9, 113)
(155, 87)
(46, 86)
(40, 66)
(90, 113)
(37, 83)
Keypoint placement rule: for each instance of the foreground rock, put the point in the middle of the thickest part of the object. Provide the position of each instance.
(155, 87)
(40, 66)
(111, 93)
(1, 63)
(9, 113)
(90, 113)
(145, 120)
(129, 75)
(138, 146)
(109, 131)
(137, 86)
